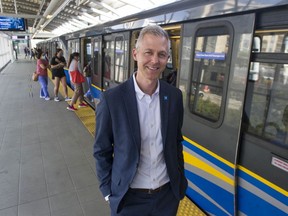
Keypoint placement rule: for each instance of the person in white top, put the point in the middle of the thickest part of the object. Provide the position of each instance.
(138, 149)
(74, 67)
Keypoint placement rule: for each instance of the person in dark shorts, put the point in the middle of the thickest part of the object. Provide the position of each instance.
(58, 63)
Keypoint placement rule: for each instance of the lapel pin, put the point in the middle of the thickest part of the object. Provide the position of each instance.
(165, 97)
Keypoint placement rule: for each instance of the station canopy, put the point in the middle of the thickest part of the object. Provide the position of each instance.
(48, 18)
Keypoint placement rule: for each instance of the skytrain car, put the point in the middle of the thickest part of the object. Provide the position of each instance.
(231, 61)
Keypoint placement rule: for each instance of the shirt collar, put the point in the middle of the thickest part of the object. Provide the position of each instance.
(139, 93)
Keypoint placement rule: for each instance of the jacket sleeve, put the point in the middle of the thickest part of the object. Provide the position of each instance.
(103, 146)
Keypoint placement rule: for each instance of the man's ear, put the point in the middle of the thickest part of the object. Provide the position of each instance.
(134, 53)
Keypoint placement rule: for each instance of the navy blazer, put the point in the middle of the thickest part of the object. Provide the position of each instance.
(117, 139)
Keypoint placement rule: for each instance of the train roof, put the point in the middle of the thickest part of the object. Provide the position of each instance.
(176, 12)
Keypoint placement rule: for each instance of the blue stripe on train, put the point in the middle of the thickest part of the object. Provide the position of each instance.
(273, 193)
(216, 193)
(250, 204)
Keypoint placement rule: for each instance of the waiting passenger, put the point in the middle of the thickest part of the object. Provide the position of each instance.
(138, 149)
(42, 65)
(26, 52)
(58, 62)
(77, 79)
(32, 54)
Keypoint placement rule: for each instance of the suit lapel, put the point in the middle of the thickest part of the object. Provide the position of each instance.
(164, 109)
(130, 102)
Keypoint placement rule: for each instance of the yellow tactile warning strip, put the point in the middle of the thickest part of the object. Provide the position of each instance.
(188, 208)
(87, 116)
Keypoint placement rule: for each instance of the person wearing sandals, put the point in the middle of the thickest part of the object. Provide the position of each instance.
(74, 66)
(58, 63)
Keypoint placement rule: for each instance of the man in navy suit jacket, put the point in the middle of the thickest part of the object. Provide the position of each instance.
(138, 149)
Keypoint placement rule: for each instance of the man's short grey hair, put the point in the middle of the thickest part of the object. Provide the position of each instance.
(153, 30)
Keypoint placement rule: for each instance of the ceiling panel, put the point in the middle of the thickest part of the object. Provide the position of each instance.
(51, 15)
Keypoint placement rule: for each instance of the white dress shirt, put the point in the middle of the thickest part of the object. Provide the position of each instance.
(152, 171)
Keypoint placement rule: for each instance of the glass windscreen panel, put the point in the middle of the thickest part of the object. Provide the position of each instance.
(209, 70)
(121, 47)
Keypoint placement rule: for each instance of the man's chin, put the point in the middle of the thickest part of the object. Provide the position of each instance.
(154, 74)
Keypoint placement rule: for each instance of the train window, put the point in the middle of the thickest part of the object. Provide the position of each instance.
(95, 57)
(121, 47)
(87, 55)
(267, 109)
(273, 42)
(209, 71)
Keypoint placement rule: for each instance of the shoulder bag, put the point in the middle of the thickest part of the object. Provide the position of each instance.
(35, 76)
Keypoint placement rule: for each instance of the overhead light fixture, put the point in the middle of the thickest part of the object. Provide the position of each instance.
(49, 16)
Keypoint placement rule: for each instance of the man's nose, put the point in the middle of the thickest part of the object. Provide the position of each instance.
(155, 58)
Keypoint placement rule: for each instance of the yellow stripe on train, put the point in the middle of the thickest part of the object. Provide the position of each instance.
(96, 87)
(195, 162)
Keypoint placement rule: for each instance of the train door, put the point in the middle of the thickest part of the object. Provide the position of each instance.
(213, 70)
(170, 73)
(263, 161)
(86, 63)
(115, 59)
(96, 79)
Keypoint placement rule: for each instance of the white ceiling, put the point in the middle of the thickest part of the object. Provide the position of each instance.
(47, 18)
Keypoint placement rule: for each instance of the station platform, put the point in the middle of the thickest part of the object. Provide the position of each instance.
(46, 162)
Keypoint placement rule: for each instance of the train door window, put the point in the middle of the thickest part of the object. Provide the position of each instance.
(73, 46)
(133, 63)
(96, 56)
(170, 73)
(120, 53)
(86, 60)
(108, 59)
(266, 107)
(87, 52)
(273, 43)
(96, 62)
(210, 71)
